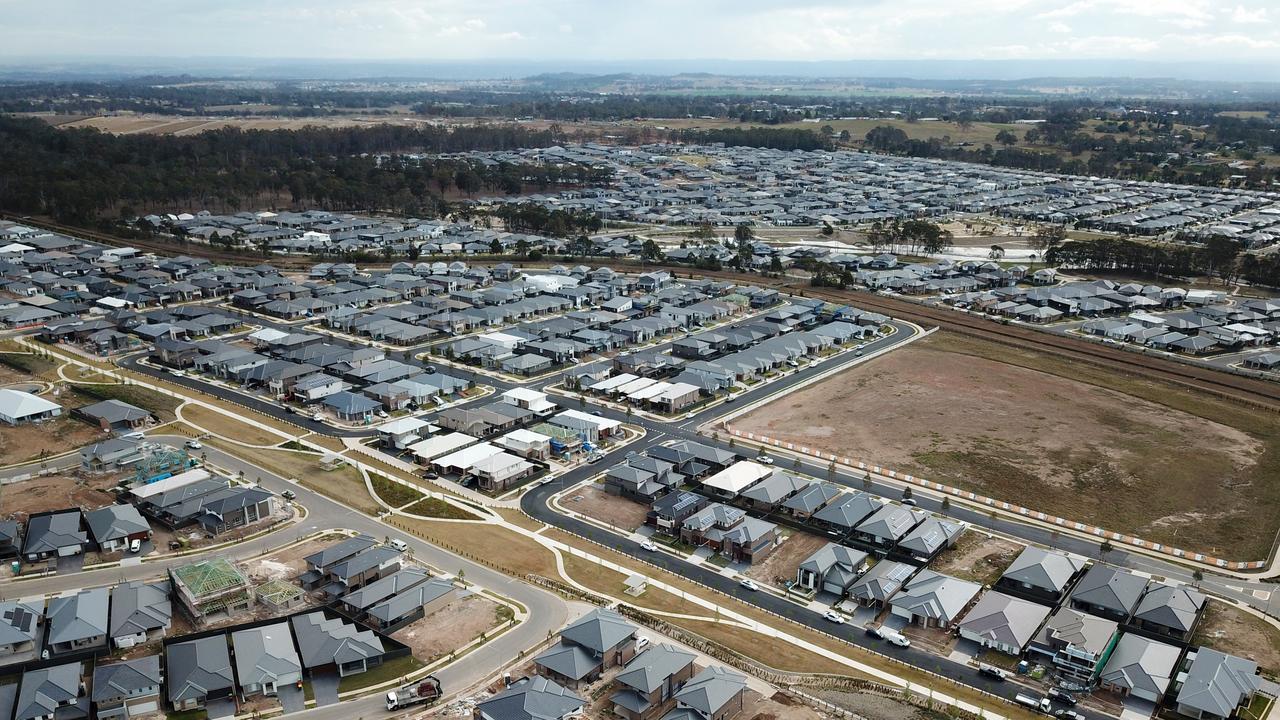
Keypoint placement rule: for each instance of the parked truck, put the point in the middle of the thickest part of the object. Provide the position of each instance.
(1041, 704)
(426, 690)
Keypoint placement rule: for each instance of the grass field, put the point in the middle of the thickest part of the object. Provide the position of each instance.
(220, 424)
(393, 493)
(1234, 631)
(343, 484)
(1089, 444)
(159, 404)
(436, 508)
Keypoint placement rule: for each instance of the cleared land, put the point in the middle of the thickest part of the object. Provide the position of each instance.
(220, 424)
(55, 492)
(781, 564)
(977, 558)
(1234, 631)
(343, 484)
(1162, 462)
(21, 443)
(449, 628)
(594, 502)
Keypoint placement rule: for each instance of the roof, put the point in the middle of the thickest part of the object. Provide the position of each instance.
(19, 621)
(881, 581)
(1217, 683)
(1083, 631)
(709, 690)
(139, 607)
(47, 533)
(123, 679)
(44, 690)
(196, 668)
(209, 576)
(848, 509)
(776, 487)
(383, 588)
(535, 698)
(78, 617)
(1005, 620)
(831, 555)
(1138, 663)
(568, 660)
(467, 457)
(889, 522)
(647, 671)
(1043, 569)
(264, 654)
(1177, 608)
(115, 522)
(340, 551)
(114, 411)
(1110, 588)
(599, 630)
(936, 596)
(17, 404)
(323, 641)
(737, 477)
(407, 601)
(931, 535)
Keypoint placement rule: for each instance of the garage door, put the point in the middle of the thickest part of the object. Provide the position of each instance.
(68, 550)
(833, 588)
(144, 708)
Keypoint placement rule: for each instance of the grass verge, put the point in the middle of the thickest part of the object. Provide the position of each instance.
(387, 671)
(437, 508)
(226, 426)
(393, 493)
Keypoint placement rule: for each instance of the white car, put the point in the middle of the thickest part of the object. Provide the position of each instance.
(834, 617)
(135, 545)
(749, 584)
(764, 460)
(194, 444)
(642, 642)
(382, 413)
(648, 545)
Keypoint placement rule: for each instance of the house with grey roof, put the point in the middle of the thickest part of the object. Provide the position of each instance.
(409, 605)
(715, 693)
(810, 499)
(54, 534)
(535, 698)
(358, 601)
(1076, 643)
(51, 692)
(114, 415)
(1040, 575)
(772, 491)
(1170, 613)
(846, 511)
(318, 562)
(127, 689)
(880, 583)
(1140, 667)
(335, 644)
(139, 612)
(360, 569)
(78, 622)
(1003, 622)
(832, 569)
(931, 599)
(198, 673)
(888, 525)
(20, 624)
(1216, 685)
(1108, 592)
(930, 537)
(600, 639)
(265, 659)
(115, 526)
(647, 685)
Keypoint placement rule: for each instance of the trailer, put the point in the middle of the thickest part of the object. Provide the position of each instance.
(425, 691)
(1041, 704)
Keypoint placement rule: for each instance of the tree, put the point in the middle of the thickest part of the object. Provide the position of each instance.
(946, 503)
(775, 264)
(1046, 241)
(495, 247)
(866, 481)
(1105, 548)
(742, 242)
(1197, 577)
(1006, 138)
(996, 253)
(906, 493)
(649, 250)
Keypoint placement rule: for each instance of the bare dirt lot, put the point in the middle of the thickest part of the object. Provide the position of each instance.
(977, 558)
(21, 443)
(450, 628)
(873, 707)
(56, 492)
(1236, 632)
(593, 501)
(783, 561)
(776, 707)
(1165, 463)
(286, 564)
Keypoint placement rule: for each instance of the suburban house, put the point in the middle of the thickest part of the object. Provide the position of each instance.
(114, 415)
(598, 640)
(1169, 613)
(127, 689)
(731, 532)
(888, 525)
(668, 513)
(714, 694)
(23, 407)
(360, 569)
(647, 685)
(54, 534)
(335, 644)
(878, 584)
(52, 692)
(1003, 622)
(265, 659)
(1140, 667)
(408, 605)
(114, 527)
(1076, 643)
(832, 569)
(139, 612)
(20, 625)
(1108, 592)
(198, 674)
(10, 538)
(1039, 575)
(318, 562)
(1216, 685)
(211, 588)
(535, 698)
(78, 622)
(772, 491)
(932, 599)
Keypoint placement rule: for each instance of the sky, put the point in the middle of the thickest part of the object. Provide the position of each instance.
(1242, 31)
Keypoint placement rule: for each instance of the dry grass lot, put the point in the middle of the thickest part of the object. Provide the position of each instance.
(610, 582)
(55, 492)
(220, 424)
(783, 561)
(977, 558)
(449, 628)
(20, 443)
(1234, 631)
(343, 484)
(287, 564)
(759, 707)
(1089, 444)
(594, 502)
(876, 707)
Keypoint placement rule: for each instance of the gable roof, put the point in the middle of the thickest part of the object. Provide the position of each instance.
(123, 679)
(599, 630)
(709, 690)
(322, 640)
(264, 654)
(340, 551)
(1217, 683)
(1110, 588)
(535, 698)
(139, 607)
(1177, 608)
(195, 668)
(78, 617)
(1005, 620)
(1043, 569)
(935, 596)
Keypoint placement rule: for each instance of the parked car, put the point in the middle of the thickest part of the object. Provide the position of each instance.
(897, 638)
(1062, 696)
(194, 444)
(992, 671)
(642, 642)
(649, 545)
(382, 414)
(834, 617)
(135, 545)
(875, 630)
(288, 494)
(909, 501)
(593, 459)
(749, 584)
(1069, 715)
(764, 460)
(432, 476)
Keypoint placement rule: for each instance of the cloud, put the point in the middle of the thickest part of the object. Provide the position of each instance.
(1245, 16)
(1060, 28)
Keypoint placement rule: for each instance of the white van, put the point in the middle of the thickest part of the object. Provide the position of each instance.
(399, 545)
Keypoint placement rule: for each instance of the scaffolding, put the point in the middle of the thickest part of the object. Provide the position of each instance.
(212, 586)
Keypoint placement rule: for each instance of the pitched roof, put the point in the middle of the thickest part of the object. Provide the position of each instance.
(196, 668)
(709, 690)
(139, 607)
(599, 630)
(535, 698)
(78, 617)
(935, 596)
(122, 679)
(1138, 663)
(1043, 569)
(1217, 683)
(1109, 588)
(47, 533)
(1173, 607)
(115, 522)
(568, 660)
(265, 654)
(1081, 630)
(323, 641)
(17, 404)
(340, 551)
(19, 621)
(44, 690)
(647, 671)
(1005, 620)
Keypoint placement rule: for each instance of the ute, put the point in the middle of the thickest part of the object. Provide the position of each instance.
(427, 690)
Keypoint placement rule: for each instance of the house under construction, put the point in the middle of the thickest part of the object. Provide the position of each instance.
(210, 588)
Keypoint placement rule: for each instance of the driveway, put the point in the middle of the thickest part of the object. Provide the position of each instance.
(221, 708)
(324, 686)
(71, 564)
(1135, 709)
(292, 698)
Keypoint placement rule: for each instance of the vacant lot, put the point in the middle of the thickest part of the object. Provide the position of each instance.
(1234, 631)
(55, 492)
(449, 628)
(62, 434)
(343, 483)
(1162, 462)
(977, 558)
(226, 426)
(158, 404)
(594, 502)
(781, 564)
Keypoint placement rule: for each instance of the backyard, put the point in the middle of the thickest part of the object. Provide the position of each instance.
(781, 564)
(977, 557)
(1234, 631)
(1161, 462)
